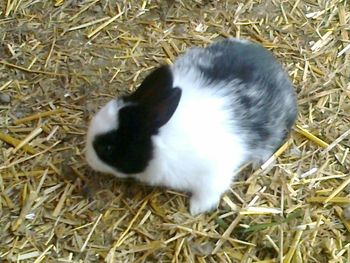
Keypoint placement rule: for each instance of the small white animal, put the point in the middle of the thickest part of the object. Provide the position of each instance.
(191, 125)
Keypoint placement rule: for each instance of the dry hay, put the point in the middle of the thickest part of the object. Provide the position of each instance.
(60, 60)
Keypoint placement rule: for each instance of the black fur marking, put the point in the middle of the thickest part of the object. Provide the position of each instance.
(161, 112)
(129, 149)
(157, 97)
(154, 87)
(246, 101)
(236, 60)
(260, 90)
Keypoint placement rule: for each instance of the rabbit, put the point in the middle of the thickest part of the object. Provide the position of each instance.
(191, 125)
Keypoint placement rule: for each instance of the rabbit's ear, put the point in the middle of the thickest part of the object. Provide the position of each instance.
(154, 87)
(156, 98)
(162, 110)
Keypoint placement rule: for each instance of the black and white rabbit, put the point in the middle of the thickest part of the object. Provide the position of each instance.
(191, 125)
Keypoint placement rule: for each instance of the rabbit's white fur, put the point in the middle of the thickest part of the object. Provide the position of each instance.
(201, 147)
(196, 151)
(105, 120)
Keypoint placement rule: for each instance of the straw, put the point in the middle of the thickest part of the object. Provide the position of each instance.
(61, 61)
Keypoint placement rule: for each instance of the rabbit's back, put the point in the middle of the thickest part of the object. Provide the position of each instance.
(257, 90)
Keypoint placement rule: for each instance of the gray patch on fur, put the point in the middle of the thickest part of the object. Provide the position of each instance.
(263, 99)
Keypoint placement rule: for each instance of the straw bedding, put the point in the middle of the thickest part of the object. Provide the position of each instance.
(60, 60)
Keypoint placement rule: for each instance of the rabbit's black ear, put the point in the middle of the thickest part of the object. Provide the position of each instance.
(156, 97)
(162, 110)
(154, 87)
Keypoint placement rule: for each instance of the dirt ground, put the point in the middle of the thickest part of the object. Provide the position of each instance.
(61, 60)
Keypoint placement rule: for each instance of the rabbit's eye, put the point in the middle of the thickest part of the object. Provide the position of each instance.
(109, 148)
